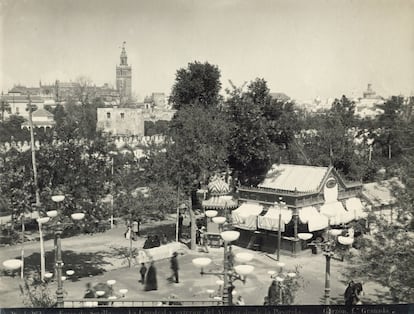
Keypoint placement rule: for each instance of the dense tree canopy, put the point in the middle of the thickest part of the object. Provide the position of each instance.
(250, 147)
(199, 145)
(198, 84)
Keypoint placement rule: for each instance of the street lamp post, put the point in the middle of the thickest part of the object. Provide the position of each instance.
(328, 247)
(58, 227)
(230, 273)
(112, 154)
(59, 264)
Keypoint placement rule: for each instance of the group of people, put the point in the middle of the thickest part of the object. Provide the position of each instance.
(149, 276)
(353, 293)
(132, 229)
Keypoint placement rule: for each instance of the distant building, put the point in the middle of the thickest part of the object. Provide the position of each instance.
(124, 77)
(41, 118)
(17, 102)
(156, 108)
(367, 105)
(121, 121)
(280, 96)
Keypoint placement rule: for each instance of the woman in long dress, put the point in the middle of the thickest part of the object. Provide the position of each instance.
(151, 278)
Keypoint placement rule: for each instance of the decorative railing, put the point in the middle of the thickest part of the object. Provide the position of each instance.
(79, 303)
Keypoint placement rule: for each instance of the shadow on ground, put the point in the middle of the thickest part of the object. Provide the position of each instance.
(84, 264)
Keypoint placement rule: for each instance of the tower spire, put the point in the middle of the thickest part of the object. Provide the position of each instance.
(124, 55)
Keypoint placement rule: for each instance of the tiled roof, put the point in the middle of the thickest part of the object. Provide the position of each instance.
(42, 113)
(294, 177)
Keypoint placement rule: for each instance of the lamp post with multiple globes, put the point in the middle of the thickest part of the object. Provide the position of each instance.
(328, 247)
(58, 226)
(230, 272)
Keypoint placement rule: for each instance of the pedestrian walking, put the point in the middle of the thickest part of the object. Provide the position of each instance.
(198, 236)
(151, 278)
(204, 239)
(143, 271)
(127, 233)
(174, 267)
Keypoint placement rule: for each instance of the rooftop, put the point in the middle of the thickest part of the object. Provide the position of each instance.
(294, 177)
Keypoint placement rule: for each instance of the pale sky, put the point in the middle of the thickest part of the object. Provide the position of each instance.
(304, 48)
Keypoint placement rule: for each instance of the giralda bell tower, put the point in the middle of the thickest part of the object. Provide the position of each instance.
(123, 76)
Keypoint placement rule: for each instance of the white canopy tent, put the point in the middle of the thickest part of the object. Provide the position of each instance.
(313, 218)
(245, 216)
(337, 213)
(355, 206)
(270, 221)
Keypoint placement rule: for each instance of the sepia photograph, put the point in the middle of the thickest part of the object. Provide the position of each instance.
(222, 156)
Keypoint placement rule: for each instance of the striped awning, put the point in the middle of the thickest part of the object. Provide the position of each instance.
(219, 202)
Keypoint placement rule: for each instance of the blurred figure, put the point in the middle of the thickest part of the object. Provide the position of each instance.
(198, 236)
(164, 239)
(349, 293)
(204, 239)
(151, 278)
(174, 267)
(89, 293)
(240, 301)
(143, 271)
(156, 241)
(272, 293)
(135, 230)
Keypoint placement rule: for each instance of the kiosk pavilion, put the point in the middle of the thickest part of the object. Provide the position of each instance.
(303, 196)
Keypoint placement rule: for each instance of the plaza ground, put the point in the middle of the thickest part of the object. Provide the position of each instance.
(100, 257)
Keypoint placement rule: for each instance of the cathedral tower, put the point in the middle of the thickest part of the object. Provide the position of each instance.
(123, 77)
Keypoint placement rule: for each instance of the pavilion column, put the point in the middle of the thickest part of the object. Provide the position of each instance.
(297, 242)
(295, 222)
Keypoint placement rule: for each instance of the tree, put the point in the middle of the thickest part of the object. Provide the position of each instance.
(198, 84)
(80, 169)
(331, 140)
(251, 150)
(198, 148)
(198, 133)
(11, 129)
(77, 120)
(386, 255)
(391, 124)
